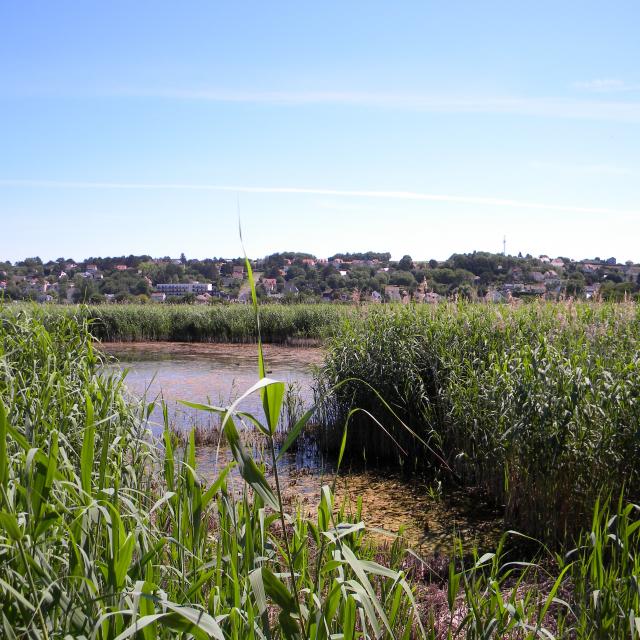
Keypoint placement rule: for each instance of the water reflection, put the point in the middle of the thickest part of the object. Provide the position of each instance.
(212, 373)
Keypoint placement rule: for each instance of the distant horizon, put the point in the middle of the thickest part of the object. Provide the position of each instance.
(316, 256)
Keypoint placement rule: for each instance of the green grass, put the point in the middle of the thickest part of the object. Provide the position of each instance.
(538, 404)
(206, 323)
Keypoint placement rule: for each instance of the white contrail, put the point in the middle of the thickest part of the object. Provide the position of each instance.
(625, 111)
(347, 193)
(546, 107)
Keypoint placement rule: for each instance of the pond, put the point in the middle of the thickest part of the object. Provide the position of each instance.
(219, 373)
(209, 373)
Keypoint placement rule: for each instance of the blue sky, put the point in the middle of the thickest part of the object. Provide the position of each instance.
(412, 127)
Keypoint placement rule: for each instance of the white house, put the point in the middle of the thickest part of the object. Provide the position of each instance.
(182, 288)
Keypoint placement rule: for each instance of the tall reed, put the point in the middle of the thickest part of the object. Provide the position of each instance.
(538, 404)
(206, 323)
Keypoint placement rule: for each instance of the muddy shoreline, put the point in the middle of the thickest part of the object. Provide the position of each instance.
(313, 354)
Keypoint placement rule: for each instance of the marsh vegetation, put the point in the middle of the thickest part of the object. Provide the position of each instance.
(232, 323)
(109, 532)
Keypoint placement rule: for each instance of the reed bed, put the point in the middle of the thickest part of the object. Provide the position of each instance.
(538, 404)
(298, 324)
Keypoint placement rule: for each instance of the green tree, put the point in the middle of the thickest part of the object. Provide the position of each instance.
(406, 263)
(85, 290)
(403, 279)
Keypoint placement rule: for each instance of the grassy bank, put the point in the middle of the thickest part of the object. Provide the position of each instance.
(538, 404)
(207, 323)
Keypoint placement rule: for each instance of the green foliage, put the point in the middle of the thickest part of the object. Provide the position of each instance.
(106, 534)
(537, 404)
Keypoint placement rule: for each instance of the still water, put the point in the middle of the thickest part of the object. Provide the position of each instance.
(209, 373)
(217, 374)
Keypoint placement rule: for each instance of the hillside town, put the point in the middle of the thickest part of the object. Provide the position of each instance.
(291, 277)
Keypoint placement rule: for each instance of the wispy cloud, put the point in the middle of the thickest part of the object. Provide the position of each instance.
(520, 106)
(346, 193)
(607, 85)
(543, 107)
(587, 169)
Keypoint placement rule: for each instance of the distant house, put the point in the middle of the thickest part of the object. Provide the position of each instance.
(557, 262)
(203, 298)
(238, 273)
(121, 267)
(289, 287)
(91, 268)
(309, 262)
(537, 276)
(158, 296)
(376, 297)
(92, 275)
(270, 285)
(545, 259)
